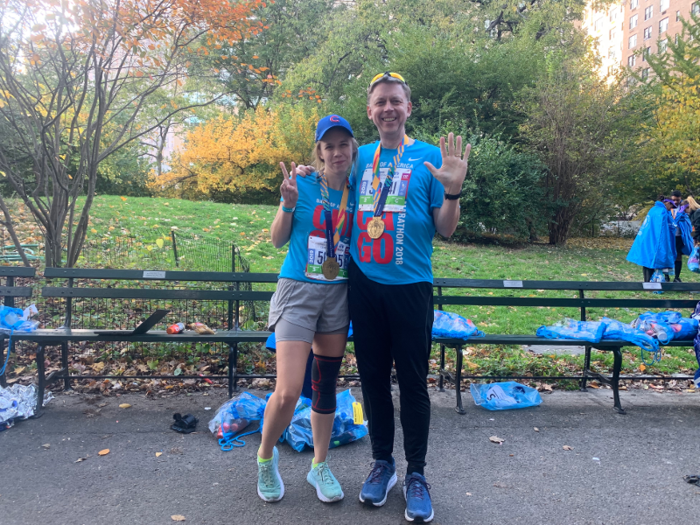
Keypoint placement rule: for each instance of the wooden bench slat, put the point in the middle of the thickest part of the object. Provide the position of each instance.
(157, 275)
(17, 271)
(15, 291)
(559, 285)
(139, 293)
(563, 303)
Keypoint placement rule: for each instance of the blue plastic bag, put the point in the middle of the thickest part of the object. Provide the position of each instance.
(245, 406)
(14, 319)
(615, 330)
(591, 331)
(655, 246)
(666, 326)
(448, 324)
(299, 435)
(505, 396)
(696, 346)
(694, 260)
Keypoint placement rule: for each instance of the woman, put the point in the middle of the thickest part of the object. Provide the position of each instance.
(694, 214)
(310, 304)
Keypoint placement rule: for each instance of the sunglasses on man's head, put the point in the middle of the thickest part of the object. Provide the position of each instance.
(380, 76)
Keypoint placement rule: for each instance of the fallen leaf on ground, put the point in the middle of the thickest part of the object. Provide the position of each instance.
(79, 460)
(159, 454)
(46, 445)
(177, 517)
(567, 447)
(537, 429)
(125, 405)
(496, 439)
(103, 452)
(469, 493)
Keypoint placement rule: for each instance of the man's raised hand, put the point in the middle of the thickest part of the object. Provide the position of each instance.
(289, 190)
(454, 166)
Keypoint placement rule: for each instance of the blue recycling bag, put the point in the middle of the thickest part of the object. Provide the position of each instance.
(696, 346)
(654, 246)
(694, 260)
(448, 324)
(591, 331)
(299, 434)
(615, 330)
(245, 406)
(504, 396)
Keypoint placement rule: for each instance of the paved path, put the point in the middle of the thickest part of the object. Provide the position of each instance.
(530, 479)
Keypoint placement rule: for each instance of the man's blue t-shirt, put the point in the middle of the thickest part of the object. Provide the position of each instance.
(307, 242)
(402, 254)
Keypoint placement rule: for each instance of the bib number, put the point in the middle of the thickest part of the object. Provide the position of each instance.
(316, 256)
(395, 200)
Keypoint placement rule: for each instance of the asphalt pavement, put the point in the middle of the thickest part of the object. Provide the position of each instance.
(620, 469)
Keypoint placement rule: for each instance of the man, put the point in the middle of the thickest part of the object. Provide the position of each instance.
(390, 282)
(676, 197)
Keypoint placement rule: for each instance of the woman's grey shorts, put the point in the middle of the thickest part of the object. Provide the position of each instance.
(307, 309)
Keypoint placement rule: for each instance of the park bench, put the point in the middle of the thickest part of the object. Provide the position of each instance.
(581, 302)
(229, 291)
(8, 292)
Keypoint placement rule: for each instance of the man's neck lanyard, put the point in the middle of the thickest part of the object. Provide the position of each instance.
(375, 227)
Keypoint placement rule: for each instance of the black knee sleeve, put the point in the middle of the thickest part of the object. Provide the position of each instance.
(324, 374)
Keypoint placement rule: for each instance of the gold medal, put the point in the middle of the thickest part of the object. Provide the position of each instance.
(375, 228)
(330, 268)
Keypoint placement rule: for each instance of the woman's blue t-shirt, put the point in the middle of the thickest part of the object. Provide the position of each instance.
(402, 254)
(309, 220)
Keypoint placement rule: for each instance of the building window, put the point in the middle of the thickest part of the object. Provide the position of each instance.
(645, 72)
(631, 60)
(647, 33)
(613, 14)
(633, 21)
(634, 4)
(612, 53)
(664, 5)
(633, 42)
(663, 45)
(613, 34)
(646, 53)
(695, 9)
(663, 25)
(649, 12)
(598, 24)
(678, 16)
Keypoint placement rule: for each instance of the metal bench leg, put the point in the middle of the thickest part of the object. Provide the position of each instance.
(458, 382)
(615, 381)
(3, 377)
(64, 365)
(232, 369)
(41, 381)
(441, 380)
(586, 368)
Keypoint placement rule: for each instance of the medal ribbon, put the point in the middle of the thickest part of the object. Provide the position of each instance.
(333, 234)
(380, 196)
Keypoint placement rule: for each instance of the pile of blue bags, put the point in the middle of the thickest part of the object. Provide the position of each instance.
(447, 324)
(648, 331)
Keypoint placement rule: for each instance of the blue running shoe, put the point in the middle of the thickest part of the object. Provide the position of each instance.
(419, 508)
(270, 485)
(379, 482)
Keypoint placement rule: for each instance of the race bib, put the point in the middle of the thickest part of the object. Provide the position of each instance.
(316, 255)
(395, 200)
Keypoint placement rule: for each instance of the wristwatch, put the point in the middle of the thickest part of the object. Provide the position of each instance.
(453, 196)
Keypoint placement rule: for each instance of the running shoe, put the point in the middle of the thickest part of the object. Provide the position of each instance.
(322, 479)
(416, 491)
(270, 486)
(379, 482)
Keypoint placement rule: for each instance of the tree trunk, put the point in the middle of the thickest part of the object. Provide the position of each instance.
(7, 223)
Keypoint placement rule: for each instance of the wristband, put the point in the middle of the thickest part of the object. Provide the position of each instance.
(453, 196)
(288, 210)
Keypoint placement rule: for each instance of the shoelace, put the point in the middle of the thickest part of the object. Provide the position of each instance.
(266, 471)
(375, 476)
(417, 488)
(324, 473)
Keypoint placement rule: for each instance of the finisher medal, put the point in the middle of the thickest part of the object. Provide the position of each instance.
(330, 268)
(375, 228)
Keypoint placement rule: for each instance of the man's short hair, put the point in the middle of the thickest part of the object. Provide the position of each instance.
(389, 80)
(676, 193)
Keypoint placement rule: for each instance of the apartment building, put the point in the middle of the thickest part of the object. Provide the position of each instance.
(627, 32)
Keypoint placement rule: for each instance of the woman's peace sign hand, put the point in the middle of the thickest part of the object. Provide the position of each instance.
(289, 190)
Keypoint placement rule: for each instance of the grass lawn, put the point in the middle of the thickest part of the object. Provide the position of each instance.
(150, 220)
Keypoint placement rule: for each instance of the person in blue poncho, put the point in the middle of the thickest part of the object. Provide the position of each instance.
(654, 247)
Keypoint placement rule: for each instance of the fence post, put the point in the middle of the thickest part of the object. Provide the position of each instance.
(172, 236)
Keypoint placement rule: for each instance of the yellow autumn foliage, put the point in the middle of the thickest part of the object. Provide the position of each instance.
(236, 158)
